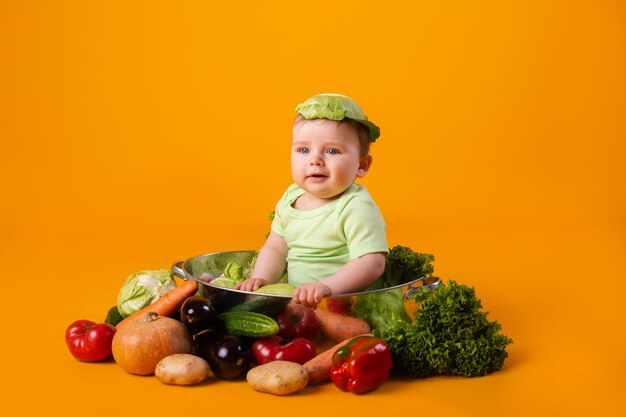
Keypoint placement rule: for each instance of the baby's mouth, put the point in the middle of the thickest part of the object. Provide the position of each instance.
(317, 178)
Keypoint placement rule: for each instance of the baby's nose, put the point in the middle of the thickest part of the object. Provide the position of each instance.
(316, 159)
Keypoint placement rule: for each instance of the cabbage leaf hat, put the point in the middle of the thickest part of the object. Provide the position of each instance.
(336, 107)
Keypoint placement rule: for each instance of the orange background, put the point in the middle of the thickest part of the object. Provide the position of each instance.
(138, 133)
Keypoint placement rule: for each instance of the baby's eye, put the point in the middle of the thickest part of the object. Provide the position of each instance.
(332, 151)
(302, 150)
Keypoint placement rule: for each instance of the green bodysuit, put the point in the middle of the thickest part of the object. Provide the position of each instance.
(322, 240)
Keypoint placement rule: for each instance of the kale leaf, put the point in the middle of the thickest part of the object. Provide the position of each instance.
(450, 336)
(402, 265)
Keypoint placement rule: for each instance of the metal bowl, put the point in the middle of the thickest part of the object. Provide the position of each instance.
(203, 268)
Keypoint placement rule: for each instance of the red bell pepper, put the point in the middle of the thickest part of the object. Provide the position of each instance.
(361, 365)
(275, 348)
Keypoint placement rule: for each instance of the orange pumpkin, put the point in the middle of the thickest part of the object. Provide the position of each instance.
(140, 345)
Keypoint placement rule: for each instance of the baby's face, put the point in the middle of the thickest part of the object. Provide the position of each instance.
(325, 157)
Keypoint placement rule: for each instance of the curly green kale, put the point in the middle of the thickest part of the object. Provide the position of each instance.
(402, 265)
(450, 336)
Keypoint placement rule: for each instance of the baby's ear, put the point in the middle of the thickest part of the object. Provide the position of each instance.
(364, 165)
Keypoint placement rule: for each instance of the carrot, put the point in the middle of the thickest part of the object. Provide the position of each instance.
(166, 305)
(319, 367)
(338, 327)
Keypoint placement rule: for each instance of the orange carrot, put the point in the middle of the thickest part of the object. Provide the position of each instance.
(166, 305)
(319, 367)
(338, 327)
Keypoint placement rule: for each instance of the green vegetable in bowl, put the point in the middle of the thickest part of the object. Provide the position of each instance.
(450, 336)
(233, 271)
(278, 288)
(224, 282)
(142, 289)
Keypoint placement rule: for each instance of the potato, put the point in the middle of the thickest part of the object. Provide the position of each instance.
(182, 369)
(278, 377)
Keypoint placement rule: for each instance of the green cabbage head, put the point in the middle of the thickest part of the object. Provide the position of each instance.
(142, 289)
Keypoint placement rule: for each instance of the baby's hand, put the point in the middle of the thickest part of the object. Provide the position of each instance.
(310, 294)
(251, 284)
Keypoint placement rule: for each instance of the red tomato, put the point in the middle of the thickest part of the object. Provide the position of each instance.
(89, 341)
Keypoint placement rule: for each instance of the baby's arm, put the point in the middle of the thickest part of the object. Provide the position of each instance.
(355, 275)
(270, 264)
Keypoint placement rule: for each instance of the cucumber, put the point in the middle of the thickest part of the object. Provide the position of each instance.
(269, 306)
(247, 323)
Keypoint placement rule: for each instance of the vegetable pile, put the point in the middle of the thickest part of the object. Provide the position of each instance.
(183, 337)
(450, 336)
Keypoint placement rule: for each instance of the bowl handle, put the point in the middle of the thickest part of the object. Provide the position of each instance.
(417, 292)
(177, 269)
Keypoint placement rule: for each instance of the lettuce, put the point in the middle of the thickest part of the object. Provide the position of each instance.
(336, 107)
(381, 309)
(233, 271)
(142, 289)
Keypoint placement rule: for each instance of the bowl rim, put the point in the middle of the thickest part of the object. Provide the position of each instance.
(410, 284)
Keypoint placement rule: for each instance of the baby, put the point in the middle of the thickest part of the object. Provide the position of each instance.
(327, 230)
